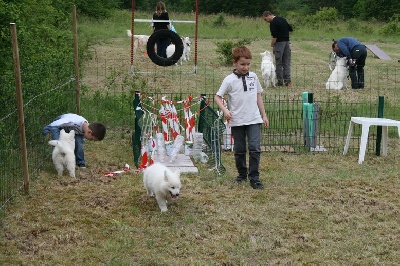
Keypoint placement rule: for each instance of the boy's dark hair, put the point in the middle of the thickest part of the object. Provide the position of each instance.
(241, 51)
(334, 43)
(98, 130)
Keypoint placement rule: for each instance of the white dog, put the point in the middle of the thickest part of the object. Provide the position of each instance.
(138, 40)
(337, 79)
(186, 48)
(171, 51)
(162, 183)
(63, 152)
(267, 69)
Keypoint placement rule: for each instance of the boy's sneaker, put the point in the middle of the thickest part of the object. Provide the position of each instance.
(256, 184)
(81, 166)
(240, 179)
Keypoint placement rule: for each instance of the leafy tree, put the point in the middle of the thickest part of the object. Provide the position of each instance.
(381, 10)
(45, 47)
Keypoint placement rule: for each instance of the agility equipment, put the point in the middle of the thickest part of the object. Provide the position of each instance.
(174, 117)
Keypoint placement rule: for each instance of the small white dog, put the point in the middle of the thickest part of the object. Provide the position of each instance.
(267, 69)
(138, 40)
(171, 51)
(186, 48)
(63, 152)
(162, 183)
(337, 79)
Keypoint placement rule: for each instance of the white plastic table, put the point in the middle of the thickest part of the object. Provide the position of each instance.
(366, 122)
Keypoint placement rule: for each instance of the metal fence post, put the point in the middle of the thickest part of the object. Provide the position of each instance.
(379, 128)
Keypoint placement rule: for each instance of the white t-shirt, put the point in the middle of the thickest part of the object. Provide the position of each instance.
(242, 103)
(70, 121)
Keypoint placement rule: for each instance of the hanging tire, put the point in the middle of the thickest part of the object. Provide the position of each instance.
(175, 39)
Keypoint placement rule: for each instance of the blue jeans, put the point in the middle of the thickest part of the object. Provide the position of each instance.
(79, 141)
(253, 133)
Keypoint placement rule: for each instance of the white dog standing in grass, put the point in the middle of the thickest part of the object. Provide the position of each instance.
(162, 183)
(63, 152)
(138, 40)
(186, 48)
(267, 69)
(337, 79)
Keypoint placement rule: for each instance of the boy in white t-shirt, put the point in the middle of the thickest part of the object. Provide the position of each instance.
(246, 113)
(83, 130)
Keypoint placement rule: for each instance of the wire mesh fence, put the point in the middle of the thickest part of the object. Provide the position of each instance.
(108, 87)
(213, 128)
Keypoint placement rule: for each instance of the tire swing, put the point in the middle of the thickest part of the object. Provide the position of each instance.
(175, 39)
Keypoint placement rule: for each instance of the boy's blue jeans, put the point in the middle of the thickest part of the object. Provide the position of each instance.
(253, 134)
(79, 140)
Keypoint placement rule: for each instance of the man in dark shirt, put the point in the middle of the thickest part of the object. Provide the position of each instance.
(280, 30)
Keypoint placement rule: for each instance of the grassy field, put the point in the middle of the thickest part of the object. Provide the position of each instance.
(316, 209)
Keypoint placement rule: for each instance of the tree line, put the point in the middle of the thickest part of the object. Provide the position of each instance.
(380, 10)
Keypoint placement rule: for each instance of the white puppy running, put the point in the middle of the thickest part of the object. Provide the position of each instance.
(63, 152)
(138, 40)
(267, 69)
(161, 182)
(337, 79)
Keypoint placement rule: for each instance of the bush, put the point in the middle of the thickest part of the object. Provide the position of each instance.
(392, 27)
(224, 49)
(324, 16)
(220, 21)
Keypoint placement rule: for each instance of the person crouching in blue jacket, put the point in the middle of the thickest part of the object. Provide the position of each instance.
(356, 53)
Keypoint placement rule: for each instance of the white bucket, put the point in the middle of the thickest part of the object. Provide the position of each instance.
(189, 148)
(169, 145)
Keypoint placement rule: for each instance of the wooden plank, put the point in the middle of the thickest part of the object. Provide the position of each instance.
(378, 52)
(182, 162)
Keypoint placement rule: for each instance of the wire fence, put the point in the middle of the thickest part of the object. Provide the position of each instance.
(108, 88)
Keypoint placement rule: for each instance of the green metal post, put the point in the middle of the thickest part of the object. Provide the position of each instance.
(304, 98)
(379, 128)
(203, 105)
(137, 129)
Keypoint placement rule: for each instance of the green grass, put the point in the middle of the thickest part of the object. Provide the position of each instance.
(313, 210)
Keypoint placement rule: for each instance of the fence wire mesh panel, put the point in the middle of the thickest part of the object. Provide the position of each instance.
(108, 88)
(212, 128)
(37, 114)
